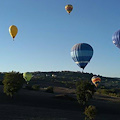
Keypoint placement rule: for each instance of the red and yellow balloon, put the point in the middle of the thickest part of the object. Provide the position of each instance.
(69, 8)
(96, 80)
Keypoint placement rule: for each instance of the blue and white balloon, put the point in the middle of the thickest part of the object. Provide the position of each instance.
(116, 38)
(81, 54)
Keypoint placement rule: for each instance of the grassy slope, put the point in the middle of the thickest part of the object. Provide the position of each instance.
(38, 105)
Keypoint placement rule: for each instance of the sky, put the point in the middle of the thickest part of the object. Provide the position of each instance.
(46, 34)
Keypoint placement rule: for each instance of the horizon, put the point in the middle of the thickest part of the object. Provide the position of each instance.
(63, 71)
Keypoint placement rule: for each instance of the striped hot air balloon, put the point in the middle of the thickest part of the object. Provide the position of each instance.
(82, 53)
(96, 80)
(69, 8)
(116, 38)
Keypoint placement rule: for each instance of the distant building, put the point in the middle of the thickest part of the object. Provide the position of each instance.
(54, 75)
(48, 75)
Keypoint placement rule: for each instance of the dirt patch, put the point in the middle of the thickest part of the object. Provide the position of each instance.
(107, 98)
(63, 90)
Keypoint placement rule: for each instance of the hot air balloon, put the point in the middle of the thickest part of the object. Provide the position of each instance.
(116, 38)
(96, 80)
(27, 76)
(68, 8)
(82, 53)
(13, 31)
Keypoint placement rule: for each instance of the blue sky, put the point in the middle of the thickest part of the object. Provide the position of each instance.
(46, 34)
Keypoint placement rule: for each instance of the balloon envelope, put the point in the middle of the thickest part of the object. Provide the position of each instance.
(27, 76)
(69, 8)
(96, 80)
(116, 38)
(81, 54)
(13, 31)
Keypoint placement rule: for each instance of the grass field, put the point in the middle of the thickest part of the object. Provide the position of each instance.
(39, 105)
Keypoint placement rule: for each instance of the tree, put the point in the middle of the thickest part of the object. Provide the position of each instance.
(84, 92)
(13, 81)
(90, 112)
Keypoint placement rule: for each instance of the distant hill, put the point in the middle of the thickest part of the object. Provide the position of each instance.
(68, 77)
(71, 76)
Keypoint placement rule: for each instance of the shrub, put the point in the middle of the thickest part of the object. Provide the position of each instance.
(110, 92)
(13, 82)
(113, 94)
(36, 87)
(90, 112)
(103, 91)
(49, 89)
